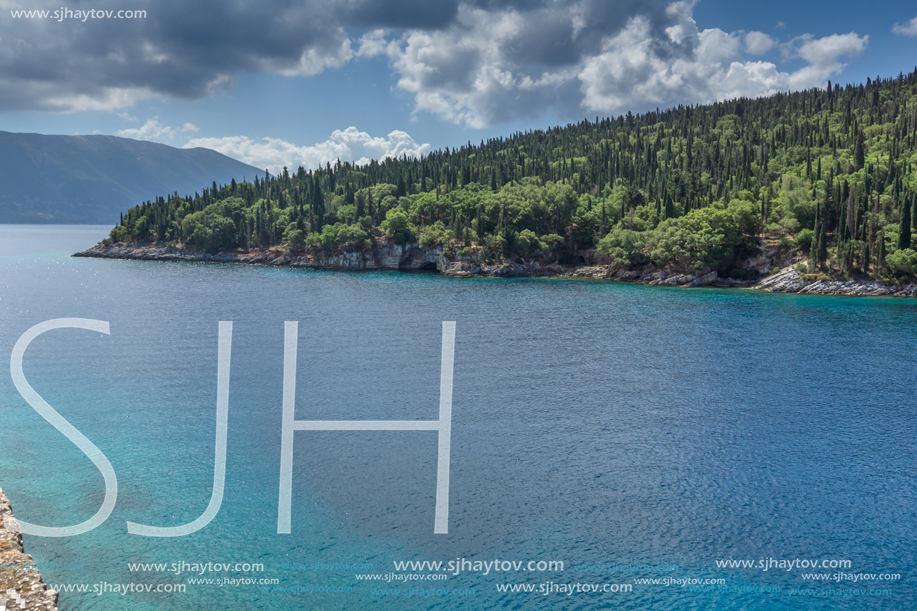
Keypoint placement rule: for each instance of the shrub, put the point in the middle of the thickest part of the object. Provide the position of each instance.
(338, 238)
(803, 239)
(624, 246)
(903, 261)
(527, 244)
(119, 234)
(702, 239)
(432, 236)
(554, 242)
(294, 237)
(397, 226)
(209, 231)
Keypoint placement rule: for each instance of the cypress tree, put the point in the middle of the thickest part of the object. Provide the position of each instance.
(880, 254)
(914, 212)
(904, 233)
(859, 153)
(813, 248)
(821, 256)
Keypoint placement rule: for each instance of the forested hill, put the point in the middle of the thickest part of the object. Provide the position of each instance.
(826, 171)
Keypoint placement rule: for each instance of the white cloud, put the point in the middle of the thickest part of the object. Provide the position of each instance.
(634, 71)
(906, 29)
(154, 130)
(471, 62)
(825, 51)
(759, 43)
(823, 57)
(465, 74)
(314, 60)
(479, 71)
(373, 44)
(347, 145)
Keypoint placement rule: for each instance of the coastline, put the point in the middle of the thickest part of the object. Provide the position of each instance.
(412, 258)
(21, 585)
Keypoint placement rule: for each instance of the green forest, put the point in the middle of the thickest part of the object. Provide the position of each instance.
(827, 172)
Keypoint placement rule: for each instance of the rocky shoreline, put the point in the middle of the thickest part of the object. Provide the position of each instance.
(390, 256)
(21, 585)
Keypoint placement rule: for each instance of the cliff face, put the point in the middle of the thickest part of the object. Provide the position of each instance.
(21, 585)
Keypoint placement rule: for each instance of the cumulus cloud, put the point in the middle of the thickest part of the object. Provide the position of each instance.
(759, 43)
(825, 51)
(472, 62)
(348, 145)
(498, 64)
(374, 43)
(186, 49)
(635, 69)
(906, 29)
(154, 130)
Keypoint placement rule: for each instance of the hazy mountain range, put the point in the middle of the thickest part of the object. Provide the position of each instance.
(92, 179)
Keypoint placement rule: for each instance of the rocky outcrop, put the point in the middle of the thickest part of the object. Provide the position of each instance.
(386, 255)
(391, 256)
(21, 586)
(789, 280)
(468, 267)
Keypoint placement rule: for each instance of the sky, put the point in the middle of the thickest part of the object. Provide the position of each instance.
(305, 82)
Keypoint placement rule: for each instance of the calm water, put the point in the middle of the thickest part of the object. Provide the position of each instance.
(594, 424)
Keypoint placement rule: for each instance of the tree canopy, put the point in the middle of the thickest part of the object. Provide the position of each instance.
(692, 188)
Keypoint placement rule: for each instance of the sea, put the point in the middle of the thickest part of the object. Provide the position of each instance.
(613, 446)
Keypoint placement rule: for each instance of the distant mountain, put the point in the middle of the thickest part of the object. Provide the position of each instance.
(92, 179)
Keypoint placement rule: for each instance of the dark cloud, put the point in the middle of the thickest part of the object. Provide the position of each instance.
(181, 49)
(397, 14)
(192, 49)
(560, 34)
(477, 62)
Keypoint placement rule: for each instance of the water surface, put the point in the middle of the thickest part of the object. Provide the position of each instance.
(594, 423)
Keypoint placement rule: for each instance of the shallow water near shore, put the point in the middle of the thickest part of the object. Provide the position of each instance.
(631, 432)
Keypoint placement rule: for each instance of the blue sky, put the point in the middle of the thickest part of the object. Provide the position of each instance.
(281, 81)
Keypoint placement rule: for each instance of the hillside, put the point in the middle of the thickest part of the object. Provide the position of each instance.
(826, 173)
(93, 179)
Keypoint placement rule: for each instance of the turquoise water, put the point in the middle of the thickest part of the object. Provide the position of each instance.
(594, 423)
